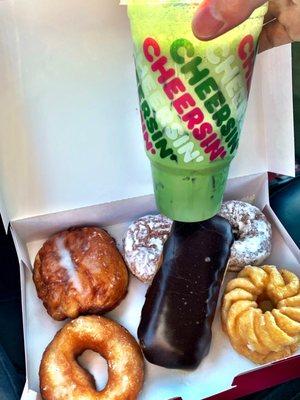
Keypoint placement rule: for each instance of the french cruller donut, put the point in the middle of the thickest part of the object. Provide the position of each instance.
(261, 313)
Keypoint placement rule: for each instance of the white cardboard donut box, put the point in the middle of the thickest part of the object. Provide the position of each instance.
(72, 154)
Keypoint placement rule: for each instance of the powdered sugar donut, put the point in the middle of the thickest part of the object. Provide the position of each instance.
(143, 245)
(252, 231)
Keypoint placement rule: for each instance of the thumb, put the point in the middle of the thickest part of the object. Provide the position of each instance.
(215, 17)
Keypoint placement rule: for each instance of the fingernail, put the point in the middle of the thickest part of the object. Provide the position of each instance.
(207, 22)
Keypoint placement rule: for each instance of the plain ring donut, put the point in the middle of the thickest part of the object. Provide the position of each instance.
(61, 377)
(252, 231)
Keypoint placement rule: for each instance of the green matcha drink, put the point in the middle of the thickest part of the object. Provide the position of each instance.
(193, 97)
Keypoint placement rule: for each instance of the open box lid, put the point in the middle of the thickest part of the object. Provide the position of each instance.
(70, 125)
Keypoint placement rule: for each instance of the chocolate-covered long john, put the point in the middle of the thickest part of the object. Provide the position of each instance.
(175, 327)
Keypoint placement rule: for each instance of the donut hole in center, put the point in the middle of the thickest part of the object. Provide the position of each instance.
(236, 233)
(95, 365)
(265, 303)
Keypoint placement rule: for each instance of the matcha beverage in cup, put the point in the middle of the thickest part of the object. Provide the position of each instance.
(193, 98)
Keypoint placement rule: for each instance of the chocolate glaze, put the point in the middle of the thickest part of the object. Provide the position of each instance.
(175, 327)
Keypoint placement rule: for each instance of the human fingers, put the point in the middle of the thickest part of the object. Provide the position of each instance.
(215, 17)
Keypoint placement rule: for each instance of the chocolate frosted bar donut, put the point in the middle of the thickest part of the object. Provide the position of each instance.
(175, 327)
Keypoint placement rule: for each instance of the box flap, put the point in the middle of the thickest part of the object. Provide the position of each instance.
(278, 111)
(267, 141)
(69, 109)
(3, 211)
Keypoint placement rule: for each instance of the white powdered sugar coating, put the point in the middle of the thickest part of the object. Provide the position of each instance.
(252, 231)
(143, 245)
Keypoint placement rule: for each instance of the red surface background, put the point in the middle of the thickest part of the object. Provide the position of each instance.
(263, 378)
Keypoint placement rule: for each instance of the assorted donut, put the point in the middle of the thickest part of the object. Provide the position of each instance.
(61, 377)
(80, 271)
(261, 313)
(252, 231)
(143, 245)
(80, 274)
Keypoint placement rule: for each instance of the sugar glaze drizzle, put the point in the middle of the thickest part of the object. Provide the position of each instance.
(67, 263)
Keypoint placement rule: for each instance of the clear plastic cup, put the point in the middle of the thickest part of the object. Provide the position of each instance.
(193, 98)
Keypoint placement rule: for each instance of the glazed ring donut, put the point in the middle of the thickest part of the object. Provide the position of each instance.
(252, 231)
(80, 271)
(61, 377)
(261, 313)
